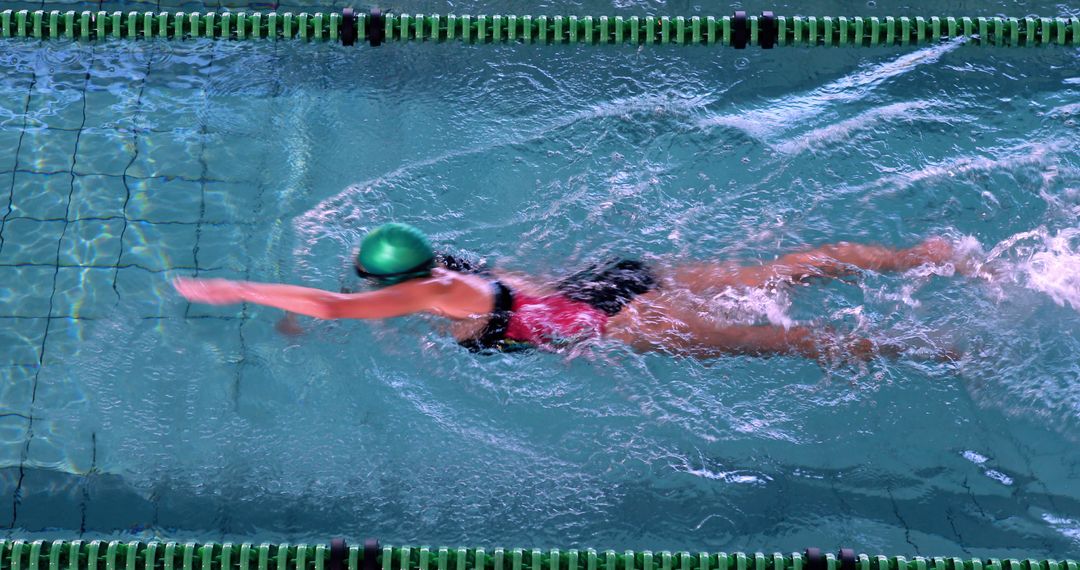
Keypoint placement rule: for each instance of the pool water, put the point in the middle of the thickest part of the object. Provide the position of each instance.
(127, 412)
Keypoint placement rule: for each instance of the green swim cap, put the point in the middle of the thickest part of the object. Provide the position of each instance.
(392, 253)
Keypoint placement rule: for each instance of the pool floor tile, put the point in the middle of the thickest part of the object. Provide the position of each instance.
(47, 150)
(224, 246)
(57, 100)
(97, 197)
(225, 350)
(84, 292)
(57, 444)
(233, 201)
(55, 496)
(119, 70)
(16, 392)
(104, 493)
(66, 342)
(165, 200)
(115, 107)
(104, 151)
(13, 426)
(9, 479)
(145, 294)
(238, 163)
(173, 154)
(20, 341)
(166, 110)
(6, 188)
(12, 111)
(25, 290)
(42, 196)
(30, 241)
(9, 142)
(91, 242)
(159, 246)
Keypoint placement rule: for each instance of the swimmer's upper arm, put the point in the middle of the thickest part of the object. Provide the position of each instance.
(416, 296)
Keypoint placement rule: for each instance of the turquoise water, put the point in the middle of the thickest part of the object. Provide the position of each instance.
(128, 412)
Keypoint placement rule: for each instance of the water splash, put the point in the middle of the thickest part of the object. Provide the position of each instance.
(842, 132)
(1039, 260)
(1039, 154)
(752, 306)
(782, 113)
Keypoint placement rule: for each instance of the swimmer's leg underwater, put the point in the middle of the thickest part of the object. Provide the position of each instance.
(829, 261)
(657, 322)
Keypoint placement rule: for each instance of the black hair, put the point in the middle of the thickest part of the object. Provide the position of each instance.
(461, 264)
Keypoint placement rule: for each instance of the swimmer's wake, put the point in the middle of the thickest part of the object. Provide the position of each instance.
(1039, 260)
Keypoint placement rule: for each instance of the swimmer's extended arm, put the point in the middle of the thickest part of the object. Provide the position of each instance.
(403, 299)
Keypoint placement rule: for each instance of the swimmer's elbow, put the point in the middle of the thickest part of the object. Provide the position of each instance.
(377, 305)
(333, 309)
(344, 307)
(327, 308)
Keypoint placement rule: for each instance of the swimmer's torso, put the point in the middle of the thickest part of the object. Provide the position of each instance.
(538, 314)
(517, 310)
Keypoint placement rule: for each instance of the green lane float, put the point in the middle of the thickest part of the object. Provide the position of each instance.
(349, 27)
(138, 555)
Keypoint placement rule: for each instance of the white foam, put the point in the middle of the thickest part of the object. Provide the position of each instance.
(1056, 269)
(974, 457)
(737, 476)
(1024, 154)
(1038, 260)
(1069, 528)
(752, 305)
(785, 112)
(999, 477)
(868, 120)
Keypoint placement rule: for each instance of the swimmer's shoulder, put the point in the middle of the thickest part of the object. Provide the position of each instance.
(522, 282)
(460, 295)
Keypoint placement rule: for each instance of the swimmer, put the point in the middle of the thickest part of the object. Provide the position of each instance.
(649, 307)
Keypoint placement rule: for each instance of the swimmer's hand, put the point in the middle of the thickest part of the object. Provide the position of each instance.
(210, 291)
(964, 259)
(289, 325)
(935, 250)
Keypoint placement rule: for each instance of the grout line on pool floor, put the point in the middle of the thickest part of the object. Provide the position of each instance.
(118, 129)
(959, 537)
(144, 318)
(111, 266)
(18, 149)
(52, 296)
(86, 484)
(124, 178)
(166, 177)
(896, 512)
(247, 268)
(202, 185)
(1035, 479)
(136, 220)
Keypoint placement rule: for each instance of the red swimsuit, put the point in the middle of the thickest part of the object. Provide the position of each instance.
(553, 318)
(579, 311)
